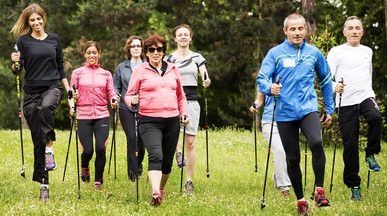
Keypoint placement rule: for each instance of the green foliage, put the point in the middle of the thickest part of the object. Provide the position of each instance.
(233, 187)
(325, 41)
(234, 36)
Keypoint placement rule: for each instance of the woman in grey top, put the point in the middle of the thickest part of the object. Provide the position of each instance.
(189, 64)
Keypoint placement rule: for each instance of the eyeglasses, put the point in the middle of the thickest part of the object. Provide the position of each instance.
(158, 49)
(134, 46)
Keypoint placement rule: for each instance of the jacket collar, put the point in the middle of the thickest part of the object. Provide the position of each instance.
(292, 46)
(93, 66)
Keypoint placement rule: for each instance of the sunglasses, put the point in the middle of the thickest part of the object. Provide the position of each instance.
(158, 49)
(134, 46)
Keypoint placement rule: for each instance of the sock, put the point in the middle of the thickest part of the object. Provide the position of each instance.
(49, 149)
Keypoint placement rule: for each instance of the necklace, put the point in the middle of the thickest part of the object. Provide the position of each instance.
(40, 37)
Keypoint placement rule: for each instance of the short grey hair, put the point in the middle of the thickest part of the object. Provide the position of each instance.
(293, 16)
(352, 18)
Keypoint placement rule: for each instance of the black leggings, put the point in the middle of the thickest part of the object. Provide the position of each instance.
(100, 128)
(128, 124)
(160, 136)
(39, 111)
(289, 132)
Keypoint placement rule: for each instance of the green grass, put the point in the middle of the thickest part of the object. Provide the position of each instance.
(233, 188)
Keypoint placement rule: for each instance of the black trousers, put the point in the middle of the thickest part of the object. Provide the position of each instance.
(39, 112)
(128, 124)
(289, 132)
(349, 128)
(100, 129)
(160, 136)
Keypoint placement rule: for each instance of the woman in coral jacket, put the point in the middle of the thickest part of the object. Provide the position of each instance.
(155, 86)
(91, 84)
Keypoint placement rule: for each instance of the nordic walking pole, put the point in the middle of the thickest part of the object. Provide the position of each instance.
(70, 93)
(114, 139)
(113, 145)
(182, 168)
(336, 137)
(255, 137)
(263, 205)
(76, 141)
(206, 125)
(17, 66)
(136, 132)
(306, 161)
(368, 180)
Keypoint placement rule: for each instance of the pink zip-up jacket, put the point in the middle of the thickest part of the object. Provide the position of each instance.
(94, 85)
(159, 96)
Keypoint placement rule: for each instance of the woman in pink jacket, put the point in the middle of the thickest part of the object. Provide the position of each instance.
(155, 86)
(91, 84)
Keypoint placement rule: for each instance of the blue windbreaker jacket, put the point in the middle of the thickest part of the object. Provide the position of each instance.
(296, 67)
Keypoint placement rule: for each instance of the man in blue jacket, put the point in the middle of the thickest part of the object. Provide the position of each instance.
(296, 62)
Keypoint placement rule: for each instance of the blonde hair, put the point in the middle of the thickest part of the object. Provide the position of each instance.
(22, 27)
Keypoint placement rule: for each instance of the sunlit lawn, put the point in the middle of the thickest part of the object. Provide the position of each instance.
(233, 188)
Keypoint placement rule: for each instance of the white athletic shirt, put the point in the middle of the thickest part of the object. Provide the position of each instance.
(354, 65)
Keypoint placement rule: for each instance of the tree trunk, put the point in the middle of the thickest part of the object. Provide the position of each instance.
(308, 7)
(385, 16)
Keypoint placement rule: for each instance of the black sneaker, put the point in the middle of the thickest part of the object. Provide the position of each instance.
(44, 193)
(356, 193)
(302, 208)
(189, 187)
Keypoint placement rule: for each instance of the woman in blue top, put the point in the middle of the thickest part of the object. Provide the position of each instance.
(134, 54)
(296, 62)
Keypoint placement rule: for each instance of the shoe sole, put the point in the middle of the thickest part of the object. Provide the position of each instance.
(323, 203)
(372, 170)
(50, 168)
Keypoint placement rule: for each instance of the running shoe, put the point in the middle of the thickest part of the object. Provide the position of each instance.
(302, 208)
(356, 193)
(44, 193)
(50, 161)
(189, 187)
(97, 186)
(85, 175)
(373, 166)
(179, 160)
(155, 200)
(320, 198)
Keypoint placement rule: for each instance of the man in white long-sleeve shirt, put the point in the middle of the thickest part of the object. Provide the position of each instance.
(352, 63)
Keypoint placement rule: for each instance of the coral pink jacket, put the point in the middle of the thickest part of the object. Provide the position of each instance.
(159, 96)
(95, 89)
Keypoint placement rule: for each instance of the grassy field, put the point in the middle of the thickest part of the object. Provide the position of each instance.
(233, 188)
